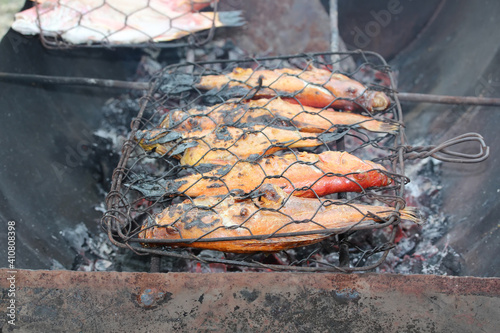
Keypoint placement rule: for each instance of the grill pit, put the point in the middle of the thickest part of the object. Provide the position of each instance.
(70, 183)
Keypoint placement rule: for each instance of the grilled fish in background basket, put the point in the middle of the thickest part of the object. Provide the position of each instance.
(260, 191)
(120, 21)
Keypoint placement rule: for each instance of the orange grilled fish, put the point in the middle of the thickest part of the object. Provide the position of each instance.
(120, 21)
(272, 111)
(225, 144)
(206, 218)
(313, 87)
(322, 174)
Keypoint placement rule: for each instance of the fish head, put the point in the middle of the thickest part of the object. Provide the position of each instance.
(238, 211)
(147, 139)
(162, 141)
(161, 226)
(363, 171)
(377, 177)
(172, 117)
(377, 101)
(27, 21)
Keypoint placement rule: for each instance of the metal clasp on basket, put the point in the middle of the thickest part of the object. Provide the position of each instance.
(442, 153)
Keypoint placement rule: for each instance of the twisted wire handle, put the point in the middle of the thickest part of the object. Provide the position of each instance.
(442, 153)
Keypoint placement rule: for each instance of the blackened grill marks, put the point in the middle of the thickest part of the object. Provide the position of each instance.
(223, 134)
(223, 171)
(215, 185)
(199, 219)
(172, 186)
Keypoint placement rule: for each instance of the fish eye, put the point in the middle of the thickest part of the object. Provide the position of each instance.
(244, 212)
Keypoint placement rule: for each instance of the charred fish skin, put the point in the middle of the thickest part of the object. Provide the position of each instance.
(303, 174)
(226, 144)
(275, 112)
(315, 87)
(271, 214)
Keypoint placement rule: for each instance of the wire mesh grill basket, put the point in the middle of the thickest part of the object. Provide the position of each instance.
(118, 23)
(225, 156)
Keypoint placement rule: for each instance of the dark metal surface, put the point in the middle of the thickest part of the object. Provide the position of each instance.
(461, 60)
(73, 81)
(441, 99)
(48, 172)
(384, 26)
(303, 26)
(48, 301)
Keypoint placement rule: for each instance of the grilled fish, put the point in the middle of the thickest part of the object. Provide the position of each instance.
(225, 144)
(321, 174)
(191, 5)
(120, 21)
(271, 111)
(273, 213)
(313, 87)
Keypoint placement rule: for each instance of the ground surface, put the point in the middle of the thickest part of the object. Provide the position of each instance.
(7, 10)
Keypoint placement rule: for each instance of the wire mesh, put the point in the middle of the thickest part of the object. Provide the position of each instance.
(230, 156)
(98, 23)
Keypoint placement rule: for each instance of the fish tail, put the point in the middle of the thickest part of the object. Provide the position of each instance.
(229, 19)
(380, 126)
(411, 214)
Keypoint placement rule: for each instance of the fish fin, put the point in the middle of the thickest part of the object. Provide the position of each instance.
(169, 35)
(160, 138)
(216, 96)
(150, 187)
(180, 148)
(332, 136)
(230, 19)
(389, 128)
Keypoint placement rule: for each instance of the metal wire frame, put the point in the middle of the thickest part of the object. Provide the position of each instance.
(122, 229)
(54, 40)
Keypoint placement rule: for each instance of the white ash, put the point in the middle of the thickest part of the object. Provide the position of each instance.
(93, 252)
(117, 139)
(417, 252)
